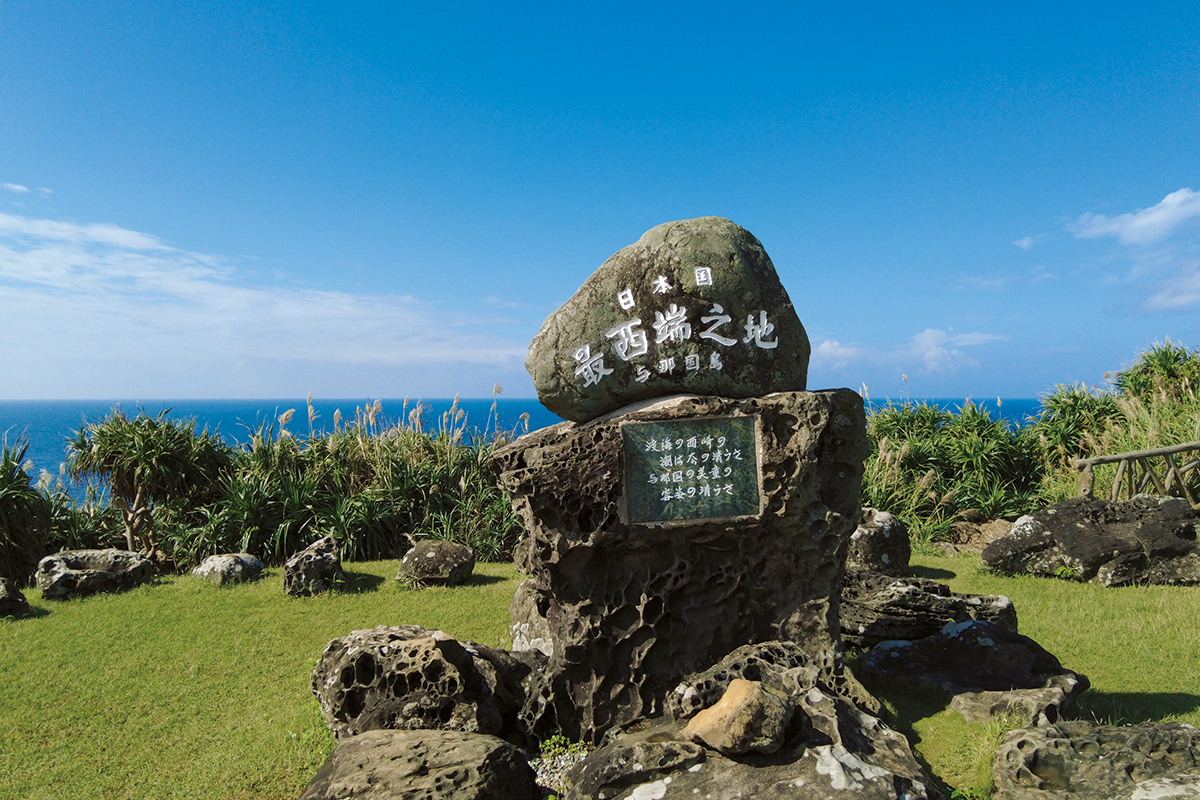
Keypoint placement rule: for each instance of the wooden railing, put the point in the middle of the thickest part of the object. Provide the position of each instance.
(1129, 464)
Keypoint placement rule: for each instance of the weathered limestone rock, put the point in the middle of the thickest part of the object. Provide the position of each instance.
(75, 573)
(429, 765)
(693, 306)
(832, 750)
(315, 569)
(529, 629)
(437, 563)
(632, 607)
(12, 601)
(879, 608)
(1084, 761)
(407, 678)
(229, 568)
(1147, 539)
(880, 544)
(985, 669)
(746, 718)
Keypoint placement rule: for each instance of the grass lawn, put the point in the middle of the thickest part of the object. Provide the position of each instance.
(182, 689)
(186, 690)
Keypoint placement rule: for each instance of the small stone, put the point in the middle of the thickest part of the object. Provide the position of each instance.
(229, 568)
(317, 568)
(12, 602)
(439, 563)
(76, 573)
(880, 543)
(747, 718)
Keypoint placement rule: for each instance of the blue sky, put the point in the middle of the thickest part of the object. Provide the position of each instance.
(380, 200)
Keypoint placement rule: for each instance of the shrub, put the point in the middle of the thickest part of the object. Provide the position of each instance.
(23, 515)
(1166, 368)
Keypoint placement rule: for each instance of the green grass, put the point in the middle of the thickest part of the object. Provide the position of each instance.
(182, 689)
(1138, 645)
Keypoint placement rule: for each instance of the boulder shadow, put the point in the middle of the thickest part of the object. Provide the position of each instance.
(360, 582)
(484, 580)
(34, 612)
(936, 573)
(1129, 708)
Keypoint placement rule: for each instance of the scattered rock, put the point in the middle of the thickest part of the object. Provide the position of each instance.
(430, 765)
(972, 537)
(1153, 760)
(985, 669)
(629, 608)
(879, 608)
(880, 544)
(229, 568)
(746, 718)
(832, 750)
(437, 563)
(693, 306)
(12, 601)
(1148, 539)
(315, 569)
(76, 573)
(409, 678)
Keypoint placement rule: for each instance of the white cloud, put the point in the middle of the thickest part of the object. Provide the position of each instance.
(124, 299)
(1176, 293)
(933, 349)
(833, 354)
(1025, 243)
(1146, 226)
(44, 192)
(15, 187)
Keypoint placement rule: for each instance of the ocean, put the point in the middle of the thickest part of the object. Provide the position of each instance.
(46, 424)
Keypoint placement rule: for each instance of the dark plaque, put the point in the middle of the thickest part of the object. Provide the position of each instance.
(691, 469)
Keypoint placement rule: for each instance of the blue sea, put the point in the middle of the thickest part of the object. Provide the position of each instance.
(46, 424)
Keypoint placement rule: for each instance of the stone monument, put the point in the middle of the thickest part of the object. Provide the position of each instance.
(699, 499)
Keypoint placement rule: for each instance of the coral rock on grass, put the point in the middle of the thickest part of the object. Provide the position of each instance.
(880, 544)
(229, 568)
(437, 563)
(75, 573)
(317, 568)
(424, 764)
(985, 669)
(1148, 539)
(1099, 762)
(693, 306)
(880, 608)
(12, 602)
(406, 677)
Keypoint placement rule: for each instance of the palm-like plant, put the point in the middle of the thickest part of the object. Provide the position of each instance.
(1167, 368)
(24, 515)
(148, 461)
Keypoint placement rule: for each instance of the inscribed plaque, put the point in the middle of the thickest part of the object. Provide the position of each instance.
(691, 469)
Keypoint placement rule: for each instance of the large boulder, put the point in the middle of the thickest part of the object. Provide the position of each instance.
(642, 573)
(226, 568)
(693, 306)
(315, 569)
(12, 602)
(76, 573)
(408, 678)
(984, 669)
(879, 608)
(430, 765)
(880, 544)
(1085, 761)
(436, 563)
(1148, 539)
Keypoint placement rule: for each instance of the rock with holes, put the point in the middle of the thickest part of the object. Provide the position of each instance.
(879, 608)
(76, 573)
(407, 678)
(437, 563)
(879, 544)
(12, 602)
(747, 718)
(529, 628)
(315, 569)
(830, 749)
(430, 765)
(228, 568)
(1069, 760)
(1148, 539)
(984, 669)
(632, 602)
(693, 306)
